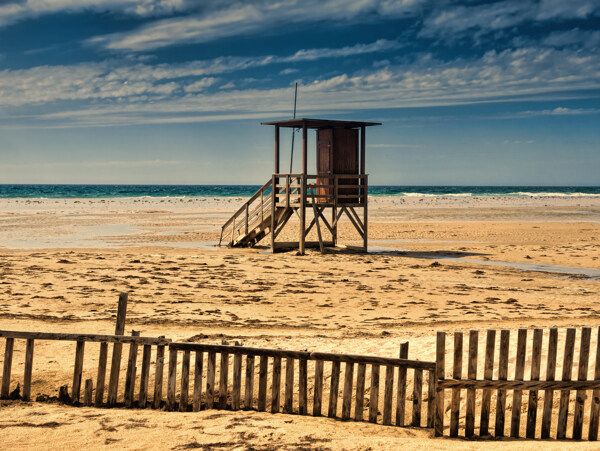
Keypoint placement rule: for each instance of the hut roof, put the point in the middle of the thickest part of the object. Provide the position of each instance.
(319, 123)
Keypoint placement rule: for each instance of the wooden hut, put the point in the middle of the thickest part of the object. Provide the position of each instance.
(338, 187)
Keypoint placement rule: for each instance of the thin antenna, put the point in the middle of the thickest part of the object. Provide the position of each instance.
(293, 129)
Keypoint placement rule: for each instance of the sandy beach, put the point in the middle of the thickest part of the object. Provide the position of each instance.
(435, 263)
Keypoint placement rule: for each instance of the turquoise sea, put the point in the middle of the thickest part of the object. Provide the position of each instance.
(109, 191)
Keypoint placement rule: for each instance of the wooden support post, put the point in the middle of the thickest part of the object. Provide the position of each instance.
(185, 382)
(131, 370)
(472, 374)
(347, 394)
(288, 401)
(223, 377)
(515, 421)
(172, 379)
(563, 409)
(28, 370)
(536, 360)
(488, 371)
(502, 375)
(440, 373)
(580, 395)
(550, 375)
(456, 374)
(158, 377)
(360, 392)
(197, 381)
(77, 371)
(88, 391)
(303, 387)
(401, 390)
(210, 379)
(363, 141)
(249, 389)
(121, 314)
(237, 382)
(318, 394)
(143, 395)
(301, 245)
(101, 376)
(273, 209)
(263, 367)
(388, 395)
(276, 385)
(366, 215)
(374, 395)
(277, 149)
(304, 148)
(115, 366)
(334, 234)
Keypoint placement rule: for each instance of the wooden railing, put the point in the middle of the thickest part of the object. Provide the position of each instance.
(250, 388)
(501, 386)
(320, 189)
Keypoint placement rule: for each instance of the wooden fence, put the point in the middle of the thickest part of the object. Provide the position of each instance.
(248, 393)
(559, 417)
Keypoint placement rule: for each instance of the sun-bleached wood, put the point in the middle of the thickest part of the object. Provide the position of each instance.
(595, 404)
(536, 360)
(347, 393)
(236, 393)
(131, 370)
(456, 374)
(28, 370)
(417, 403)
(388, 395)
(249, 386)
(318, 391)
(563, 407)
(374, 394)
(223, 378)
(210, 379)
(360, 392)
(440, 374)
(401, 388)
(515, 420)
(158, 376)
(185, 382)
(502, 376)
(197, 397)
(580, 395)
(303, 387)
(488, 371)
(262, 383)
(144, 377)
(334, 389)
(77, 371)
(172, 379)
(276, 385)
(550, 375)
(288, 399)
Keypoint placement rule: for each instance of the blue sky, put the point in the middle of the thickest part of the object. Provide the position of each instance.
(173, 91)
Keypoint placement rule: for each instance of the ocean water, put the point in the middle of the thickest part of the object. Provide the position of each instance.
(109, 191)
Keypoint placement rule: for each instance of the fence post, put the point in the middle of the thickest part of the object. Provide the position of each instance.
(440, 371)
(401, 391)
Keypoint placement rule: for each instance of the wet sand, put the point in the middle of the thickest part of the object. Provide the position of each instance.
(435, 264)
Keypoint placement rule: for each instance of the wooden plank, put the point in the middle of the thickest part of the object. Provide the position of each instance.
(318, 392)
(288, 402)
(488, 371)
(223, 376)
(563, 409)
(401, 388)
(77, 370)
(276, 385)
(502, 376)
(595, 404)
(440, 374)
(97, 338)
(197, 397)
(388, 395)
(28, 370)
(263, 367)
(515, 420)
(417, 398)
(334, 389)
(144, 377)
(210, 379)
(347, 393)
(374, 394)
(158, 376)
(456, 374)
(580, 396)
(88, 392)
(121, 313)
(360, 391)
(536, 361)
(236, 394)
(185, 382)
(101, 376)
(249, 388)
(519, 385)
(431, 385)
(472, 374)
(303, 387)
(131, 370)
(115, 369)
(550, 374)
(172, 379)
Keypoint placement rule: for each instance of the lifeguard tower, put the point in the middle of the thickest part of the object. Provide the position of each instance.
(339, 187)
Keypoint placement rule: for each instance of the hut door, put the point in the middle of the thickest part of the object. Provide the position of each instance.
(346, 162)
(324, 163)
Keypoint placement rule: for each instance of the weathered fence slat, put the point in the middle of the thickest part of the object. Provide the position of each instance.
(431, 387)
(210, 379)
(388, 395)
(158, 377)
(87, 392)
(276, 385)
(440, 373)
(303, 387)
(288, 400)
(223, 376)
(77, 370)
(347, 394)
(249, 388)
(197, 396)
(563, 408)
(401, 388)
(115, 368)
(536, 360)
(360, 391)
(488, 371)
(28, 369)
(502, 375)
(472, 374)
(595, 405)
(6, 370)
(417, 397)
(101, 376)
(131, 370)
(262, 382)
(185, 382)
(374, 394)
(318, 393)
(334, 389)
(456, 374)
(144, 377)
(515, 421)
(580, 395)
(550, 375)
(172, 379)
(237, 382)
